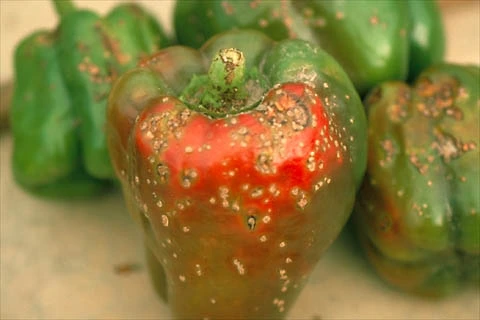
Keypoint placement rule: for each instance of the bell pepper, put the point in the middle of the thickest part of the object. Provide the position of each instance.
(418, 210)
(373, 40)
(62, 81)
(240, 161)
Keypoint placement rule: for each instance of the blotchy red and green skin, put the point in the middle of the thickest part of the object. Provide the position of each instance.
(238, 209)
(418, 210)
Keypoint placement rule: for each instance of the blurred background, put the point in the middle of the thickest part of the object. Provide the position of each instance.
(86, 261)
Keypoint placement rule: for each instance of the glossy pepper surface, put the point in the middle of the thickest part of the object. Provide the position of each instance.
(240, 161)
(374, 41)
(418, 209)
(62, 81)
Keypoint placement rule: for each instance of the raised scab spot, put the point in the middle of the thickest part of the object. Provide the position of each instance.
(264, 164)
(251, 222)
(273, 189)
(256, 192)
(188, 177)
(198, 270)
(165, 220)
(239, 266)
(163, 172)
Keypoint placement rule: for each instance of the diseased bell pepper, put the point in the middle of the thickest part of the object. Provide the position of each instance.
(240, 161)
(418, 210)
(62, 81)
(373, 40)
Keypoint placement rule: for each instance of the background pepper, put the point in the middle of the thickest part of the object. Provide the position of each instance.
(62, 81)
(418, 209)
(241, 162)
(374, 41)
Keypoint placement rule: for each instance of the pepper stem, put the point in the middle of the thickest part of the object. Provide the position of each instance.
(225, 83)
(227, 70)
(63, 7)
(228, 88)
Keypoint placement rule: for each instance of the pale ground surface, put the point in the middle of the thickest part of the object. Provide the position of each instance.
(58, 260)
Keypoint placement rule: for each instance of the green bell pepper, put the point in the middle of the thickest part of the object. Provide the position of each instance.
(418, 211)
(240, 161)
(62, 81)
(373, 40)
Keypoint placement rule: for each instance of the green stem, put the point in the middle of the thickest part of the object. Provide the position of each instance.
(227, 70)
(225, 83)
(63, 7)
(227, 89)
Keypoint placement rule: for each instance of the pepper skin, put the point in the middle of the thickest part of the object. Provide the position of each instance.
(62, 82)
(418, 210)
(373, 40)
(241, 162)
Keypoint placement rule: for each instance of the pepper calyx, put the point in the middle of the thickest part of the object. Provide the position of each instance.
(228, 88)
